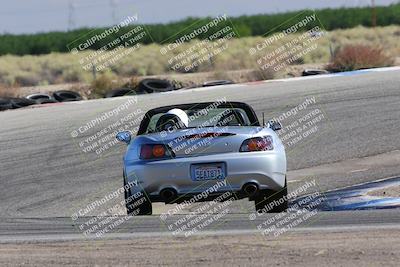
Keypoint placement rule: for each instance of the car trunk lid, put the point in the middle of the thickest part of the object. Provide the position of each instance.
(209, 140)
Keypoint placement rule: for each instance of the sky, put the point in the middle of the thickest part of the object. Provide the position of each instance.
(32, 16)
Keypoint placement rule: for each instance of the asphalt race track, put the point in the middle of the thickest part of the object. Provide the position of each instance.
(46, 176)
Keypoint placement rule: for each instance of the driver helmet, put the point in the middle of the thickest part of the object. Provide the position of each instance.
(173, 119)
(183, 117)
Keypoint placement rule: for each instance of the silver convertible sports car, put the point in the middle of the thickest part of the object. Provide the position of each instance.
(185, 151)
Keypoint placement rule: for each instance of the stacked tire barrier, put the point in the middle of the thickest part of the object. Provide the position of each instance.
(39, 98)
(145, 86)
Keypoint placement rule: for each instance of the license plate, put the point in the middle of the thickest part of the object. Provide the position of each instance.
(208, 172)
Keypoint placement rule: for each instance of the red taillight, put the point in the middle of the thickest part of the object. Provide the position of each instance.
(158, 151)
(155, 151)
(257, 144)
(146, 152)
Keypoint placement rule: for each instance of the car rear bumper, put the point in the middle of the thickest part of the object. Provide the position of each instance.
(267, 169)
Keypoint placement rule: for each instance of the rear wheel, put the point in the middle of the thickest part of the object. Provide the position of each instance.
(137, 204)
(269, 201)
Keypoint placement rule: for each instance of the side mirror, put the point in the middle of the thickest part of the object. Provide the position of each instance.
(124, 137)
(274, 125)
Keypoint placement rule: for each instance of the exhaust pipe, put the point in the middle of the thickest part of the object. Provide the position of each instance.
(250, 189)
(168, 195)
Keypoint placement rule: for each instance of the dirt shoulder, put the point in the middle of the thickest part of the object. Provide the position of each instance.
(325, 248)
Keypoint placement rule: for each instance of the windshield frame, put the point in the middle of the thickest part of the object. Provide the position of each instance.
(246, 108)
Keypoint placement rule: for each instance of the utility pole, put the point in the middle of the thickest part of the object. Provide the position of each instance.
(71, 15)
(373, 14)
(113, 6)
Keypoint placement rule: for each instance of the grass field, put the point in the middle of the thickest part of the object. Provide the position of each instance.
(58, 68)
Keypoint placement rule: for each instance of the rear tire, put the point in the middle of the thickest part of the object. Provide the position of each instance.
(266, 197)
(137, 206)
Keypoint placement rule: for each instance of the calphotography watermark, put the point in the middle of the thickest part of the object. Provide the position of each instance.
(84, 43)
(186, 55)
(98, 135)
(276, 224)
(207, 130)
(298, 39)
(105, 214)
(101, 50)
(198, 118)
(301, 123)
(283, 222)
(203, 214)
